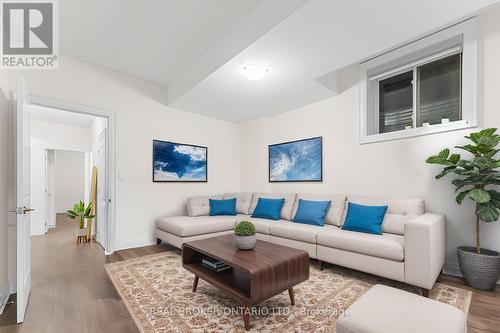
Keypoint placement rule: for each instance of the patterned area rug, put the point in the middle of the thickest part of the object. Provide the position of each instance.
(157, 292)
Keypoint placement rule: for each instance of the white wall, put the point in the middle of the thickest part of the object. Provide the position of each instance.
(5, 120)
(59, 135)
(141, 117)
(69, 187)
(393, 169)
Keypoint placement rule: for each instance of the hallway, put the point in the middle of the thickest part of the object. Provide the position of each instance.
(70, 289)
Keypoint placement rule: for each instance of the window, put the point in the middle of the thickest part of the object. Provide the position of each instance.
(438, 90)
(396, 102)
(424, 87)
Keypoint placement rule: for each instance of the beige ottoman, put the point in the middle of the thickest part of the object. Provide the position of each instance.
(388, 310)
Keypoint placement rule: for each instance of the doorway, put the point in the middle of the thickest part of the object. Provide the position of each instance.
(19, 244)
(68, 153)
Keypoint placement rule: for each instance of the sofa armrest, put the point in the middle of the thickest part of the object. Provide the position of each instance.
(425, 249)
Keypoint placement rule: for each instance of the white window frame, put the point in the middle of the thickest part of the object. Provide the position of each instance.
(461, 37)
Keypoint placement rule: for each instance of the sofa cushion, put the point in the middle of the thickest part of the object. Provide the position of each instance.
(388, 246)
(399, 211)
(311, 212)
(268, 208)
(334, 215)
(297, 231)
(286, 210)
(199, 206)
(261, 225)
(222, 207)
(243, 201)
(184, 226)
(363, 218)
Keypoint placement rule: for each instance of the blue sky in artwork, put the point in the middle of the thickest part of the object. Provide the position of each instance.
(299, 160)
(179, 162)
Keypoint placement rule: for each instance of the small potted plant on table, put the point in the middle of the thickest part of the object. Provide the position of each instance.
(245, 235)
(80, 213)
(478, 179)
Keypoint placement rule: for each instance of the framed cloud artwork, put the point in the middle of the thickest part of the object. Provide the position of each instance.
(296, 161)
(179, 162)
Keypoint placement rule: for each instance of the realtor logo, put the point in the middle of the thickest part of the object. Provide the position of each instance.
(29, 34)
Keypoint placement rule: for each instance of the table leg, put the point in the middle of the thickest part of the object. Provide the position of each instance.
(195, 283)
(246, 317)
(292, 298)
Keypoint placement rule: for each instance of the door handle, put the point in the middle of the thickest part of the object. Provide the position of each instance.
(21, 211)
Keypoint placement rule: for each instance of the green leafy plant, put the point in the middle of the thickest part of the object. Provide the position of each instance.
(244, 228)
(80, 213)
(478, 175)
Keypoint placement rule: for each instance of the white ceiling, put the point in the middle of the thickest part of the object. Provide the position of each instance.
(196, 47)
(150, 39)
(40, 113)
(320, 37)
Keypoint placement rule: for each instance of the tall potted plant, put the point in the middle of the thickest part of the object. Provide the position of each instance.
(477, 178)
(80, 213)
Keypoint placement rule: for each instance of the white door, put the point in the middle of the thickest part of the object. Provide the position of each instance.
(23, 198)
(50, 210)
(102, 197)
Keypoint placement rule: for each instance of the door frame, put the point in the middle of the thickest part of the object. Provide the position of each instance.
(47, 206)
(102, 135)
(110, 245)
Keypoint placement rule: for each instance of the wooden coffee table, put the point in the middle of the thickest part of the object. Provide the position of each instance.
(256, 275)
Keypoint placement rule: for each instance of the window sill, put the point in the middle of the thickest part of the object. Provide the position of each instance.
(414, 132)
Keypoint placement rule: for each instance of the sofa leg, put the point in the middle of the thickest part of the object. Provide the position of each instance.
(321, 265)
(158, 241)
(425, 292)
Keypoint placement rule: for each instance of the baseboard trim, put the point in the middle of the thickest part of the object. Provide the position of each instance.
(133, 244)
(4, 296)
(451, 268)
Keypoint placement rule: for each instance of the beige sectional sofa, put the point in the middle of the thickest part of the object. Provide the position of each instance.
(411, 248)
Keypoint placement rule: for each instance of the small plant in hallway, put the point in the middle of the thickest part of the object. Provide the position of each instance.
(477, 178)
(80, 213)
(245, 235)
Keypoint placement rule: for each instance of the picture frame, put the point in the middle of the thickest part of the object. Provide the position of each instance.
(296, 161)
(175, 162)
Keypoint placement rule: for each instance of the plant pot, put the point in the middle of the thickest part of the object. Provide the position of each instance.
(81, 232)
(245, 242)
(481, 271)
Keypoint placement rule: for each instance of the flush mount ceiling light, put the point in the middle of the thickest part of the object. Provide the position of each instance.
(255, 70)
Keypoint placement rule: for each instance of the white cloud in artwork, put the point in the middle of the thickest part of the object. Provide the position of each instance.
(165, 175)
(281, 165)
(198, 173)
(196, 153)
(160, 165)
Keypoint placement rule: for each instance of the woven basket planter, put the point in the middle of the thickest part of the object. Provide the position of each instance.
(481, 271)
(245, 242)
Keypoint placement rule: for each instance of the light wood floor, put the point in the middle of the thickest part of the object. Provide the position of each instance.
(72, 293)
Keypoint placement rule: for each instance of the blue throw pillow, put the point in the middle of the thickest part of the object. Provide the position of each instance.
(367, 219)
(268, 208)
(222, 207)
(312, 212)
